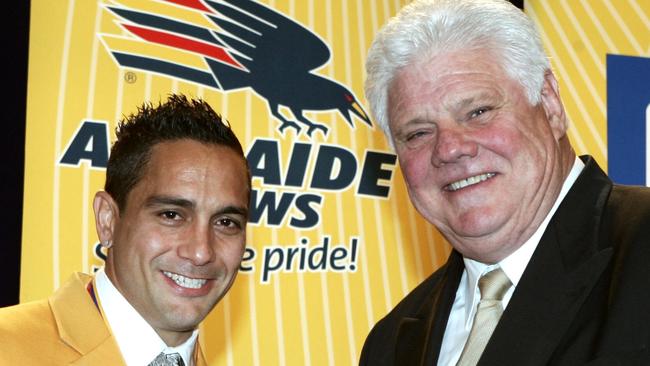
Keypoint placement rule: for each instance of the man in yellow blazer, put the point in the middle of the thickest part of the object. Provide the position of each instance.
(173, 218)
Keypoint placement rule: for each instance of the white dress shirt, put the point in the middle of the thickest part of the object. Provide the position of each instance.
(137, 340)
(468, 296)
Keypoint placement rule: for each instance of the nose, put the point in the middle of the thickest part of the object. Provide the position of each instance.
(198, 246)
(452, 145)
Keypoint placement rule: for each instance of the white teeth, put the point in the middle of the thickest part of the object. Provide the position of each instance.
(469, 181)
(185, 281)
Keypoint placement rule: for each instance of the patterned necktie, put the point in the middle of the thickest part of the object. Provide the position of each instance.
(493, 285)
(172, 359)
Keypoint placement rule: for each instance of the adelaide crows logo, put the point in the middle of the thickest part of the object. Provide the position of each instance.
(229, 45)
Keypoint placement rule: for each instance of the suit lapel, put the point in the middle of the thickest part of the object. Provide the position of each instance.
(199, 357)
(81, 326)
(106, 353)
(419, 337)
(565, 267)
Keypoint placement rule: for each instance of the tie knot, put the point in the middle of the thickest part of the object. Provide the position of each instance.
(493, 285)
(175, 359)
(172, 359)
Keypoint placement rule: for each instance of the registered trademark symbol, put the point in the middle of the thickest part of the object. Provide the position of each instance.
(130, 77)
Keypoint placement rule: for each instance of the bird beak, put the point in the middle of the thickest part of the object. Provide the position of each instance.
(358, 110)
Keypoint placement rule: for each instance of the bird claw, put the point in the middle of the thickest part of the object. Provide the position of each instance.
(314, 127)
(286, 124)
(294, 124)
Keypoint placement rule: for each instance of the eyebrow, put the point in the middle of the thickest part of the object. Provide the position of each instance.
(466, 102)
(167, 200)
(482, 97)
(185, 203)
(234, 210)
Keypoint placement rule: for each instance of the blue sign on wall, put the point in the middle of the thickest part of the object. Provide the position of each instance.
(628, 119)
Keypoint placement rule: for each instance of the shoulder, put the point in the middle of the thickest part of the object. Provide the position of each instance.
(31, 333)
(627, 217)
(27, 317)
(633, 202)
(27, 333)
(626, 230)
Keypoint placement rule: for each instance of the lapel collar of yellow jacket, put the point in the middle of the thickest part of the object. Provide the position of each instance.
(81, 325)
(199, 358)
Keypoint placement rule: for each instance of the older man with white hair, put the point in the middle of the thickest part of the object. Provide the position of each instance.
(551, 261)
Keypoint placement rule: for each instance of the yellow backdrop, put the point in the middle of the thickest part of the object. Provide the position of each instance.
(277, 313)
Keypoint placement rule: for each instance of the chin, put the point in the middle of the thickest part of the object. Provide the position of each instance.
(480, 243)
(187, 311)
(486, 216)
(185, 321)
(474, 232)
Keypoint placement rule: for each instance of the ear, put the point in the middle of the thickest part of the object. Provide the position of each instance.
(553, 107)
(106, 215)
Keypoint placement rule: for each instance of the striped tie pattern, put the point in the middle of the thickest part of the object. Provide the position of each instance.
(493, 285)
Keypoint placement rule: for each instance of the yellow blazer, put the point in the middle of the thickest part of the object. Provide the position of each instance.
(66, 329)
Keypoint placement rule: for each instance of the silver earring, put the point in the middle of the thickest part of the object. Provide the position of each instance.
(107, 244)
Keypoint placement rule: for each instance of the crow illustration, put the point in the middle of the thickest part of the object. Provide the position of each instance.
(251, 46)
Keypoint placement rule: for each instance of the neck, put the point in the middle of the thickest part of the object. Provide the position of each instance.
(174, 338)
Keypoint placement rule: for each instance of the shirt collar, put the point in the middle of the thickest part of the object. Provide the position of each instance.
(515, 264)
(138, 341)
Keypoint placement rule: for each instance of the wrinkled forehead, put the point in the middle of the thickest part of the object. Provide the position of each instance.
(438, 73)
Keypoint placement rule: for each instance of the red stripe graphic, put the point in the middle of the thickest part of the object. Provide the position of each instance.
(168, 39)
(194, 4)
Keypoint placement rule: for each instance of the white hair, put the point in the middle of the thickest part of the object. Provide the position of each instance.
(427, 28)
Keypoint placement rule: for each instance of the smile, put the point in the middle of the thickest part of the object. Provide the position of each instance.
(186, 282)
(469, 181)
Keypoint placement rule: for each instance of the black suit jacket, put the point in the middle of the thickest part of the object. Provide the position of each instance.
(584, 297)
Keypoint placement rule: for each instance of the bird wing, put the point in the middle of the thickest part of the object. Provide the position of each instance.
(213, 43)
(173, 37)
(264, 35)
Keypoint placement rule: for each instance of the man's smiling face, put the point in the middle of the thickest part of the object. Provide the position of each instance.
(481, 163)
(179, 240)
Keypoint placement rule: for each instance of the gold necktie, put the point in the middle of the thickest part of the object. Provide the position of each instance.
(493, 285)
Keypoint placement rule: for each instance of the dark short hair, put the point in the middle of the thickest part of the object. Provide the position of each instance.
(176, 119)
